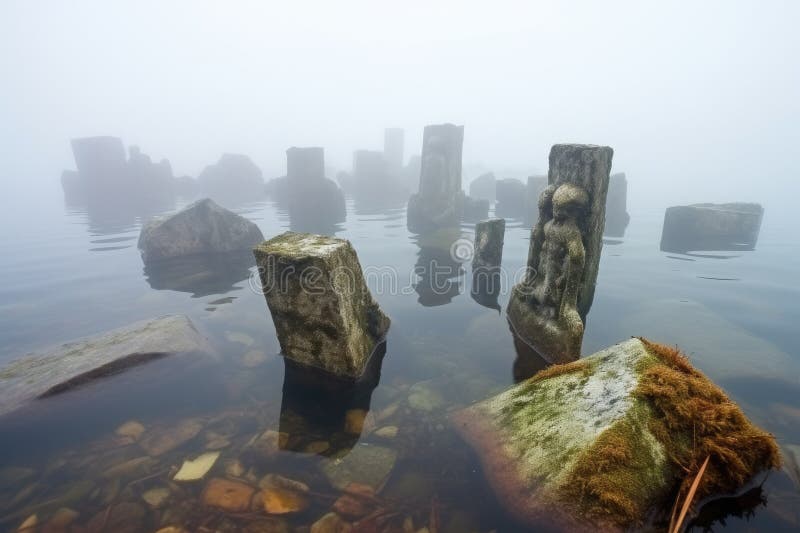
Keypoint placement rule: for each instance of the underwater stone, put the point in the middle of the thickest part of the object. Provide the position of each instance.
(201, 228)
(74, 363)
(324, 314)
(489, 235)
(439, 200)
(601, 442)
(365, 464)
(548, 307)
(721, 227)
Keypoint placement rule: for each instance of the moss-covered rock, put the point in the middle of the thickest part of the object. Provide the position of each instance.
(605, 441)
(323, 311)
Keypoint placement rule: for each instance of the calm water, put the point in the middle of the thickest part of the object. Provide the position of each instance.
(67, 273)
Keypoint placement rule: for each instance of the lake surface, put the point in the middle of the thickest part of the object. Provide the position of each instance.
(67, 273)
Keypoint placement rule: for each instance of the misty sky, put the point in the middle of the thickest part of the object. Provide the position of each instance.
(698, 99)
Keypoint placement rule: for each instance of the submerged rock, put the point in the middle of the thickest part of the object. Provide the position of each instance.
(711, 227)
(603, 441)
(365, 464)
(231, 496)
(324, 314)
(201, 228)
(331, 523)
(75, 363)
(159, 441)
(196, 469)
(489, 235)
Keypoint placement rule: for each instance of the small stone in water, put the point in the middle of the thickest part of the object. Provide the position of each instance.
(283, 501)
(354, 420)
(60, 520)
(424, 397)
(239, 337)
(280, 482)
(317, 447)
(196, 469)
(134, 467)
(157, 497)
(158, 442)
(231, 496)
(387, 432)
(356, 502)
(269, 525)
(132, 429)
(271, 442)
(126, 517)
(234, 468)
(29, 524)
(254, 358)
(331, 523)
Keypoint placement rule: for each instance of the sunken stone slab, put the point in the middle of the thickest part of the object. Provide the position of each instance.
(324, 314)
(201, 228)
(71, 364)
(599, 443)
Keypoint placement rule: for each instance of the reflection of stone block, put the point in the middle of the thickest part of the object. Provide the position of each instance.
(711, 227)
(323, 311)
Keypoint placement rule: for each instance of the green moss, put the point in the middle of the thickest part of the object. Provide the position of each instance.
(620, 475)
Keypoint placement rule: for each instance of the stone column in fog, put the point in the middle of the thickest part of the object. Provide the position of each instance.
(617, 216)
(548, 307)
(393, 141)
(439, 200)
(305, 164)
(488, 250)
(324, 314)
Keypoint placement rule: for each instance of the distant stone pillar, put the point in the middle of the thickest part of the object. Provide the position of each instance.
(617, 216)
(324, 314)
(393, 141)
(548, 307)
(99, 159)
(439, 200)
(305, 164)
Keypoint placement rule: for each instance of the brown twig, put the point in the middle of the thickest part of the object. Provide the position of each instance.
(689, 497)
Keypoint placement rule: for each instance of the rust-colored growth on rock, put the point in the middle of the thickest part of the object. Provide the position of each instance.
(694, 419)
(691, 417)
(558, 370)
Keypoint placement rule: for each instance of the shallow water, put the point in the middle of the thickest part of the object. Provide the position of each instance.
(68, 272)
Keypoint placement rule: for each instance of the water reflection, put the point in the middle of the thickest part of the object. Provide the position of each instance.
(486, 287)
(200, 275)
(528, 361)
(320, 412)
(438, 271)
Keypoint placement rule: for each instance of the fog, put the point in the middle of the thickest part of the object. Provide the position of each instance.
(698, 100)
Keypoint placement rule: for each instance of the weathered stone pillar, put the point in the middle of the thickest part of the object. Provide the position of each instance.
(393, 140)
(439, 200)
(617, 217)
(324, 314)
(489, 235)
(548, 308)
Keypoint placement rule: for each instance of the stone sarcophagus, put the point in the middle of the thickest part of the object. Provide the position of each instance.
(440, 198)
(548, 307)
(323, 311)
